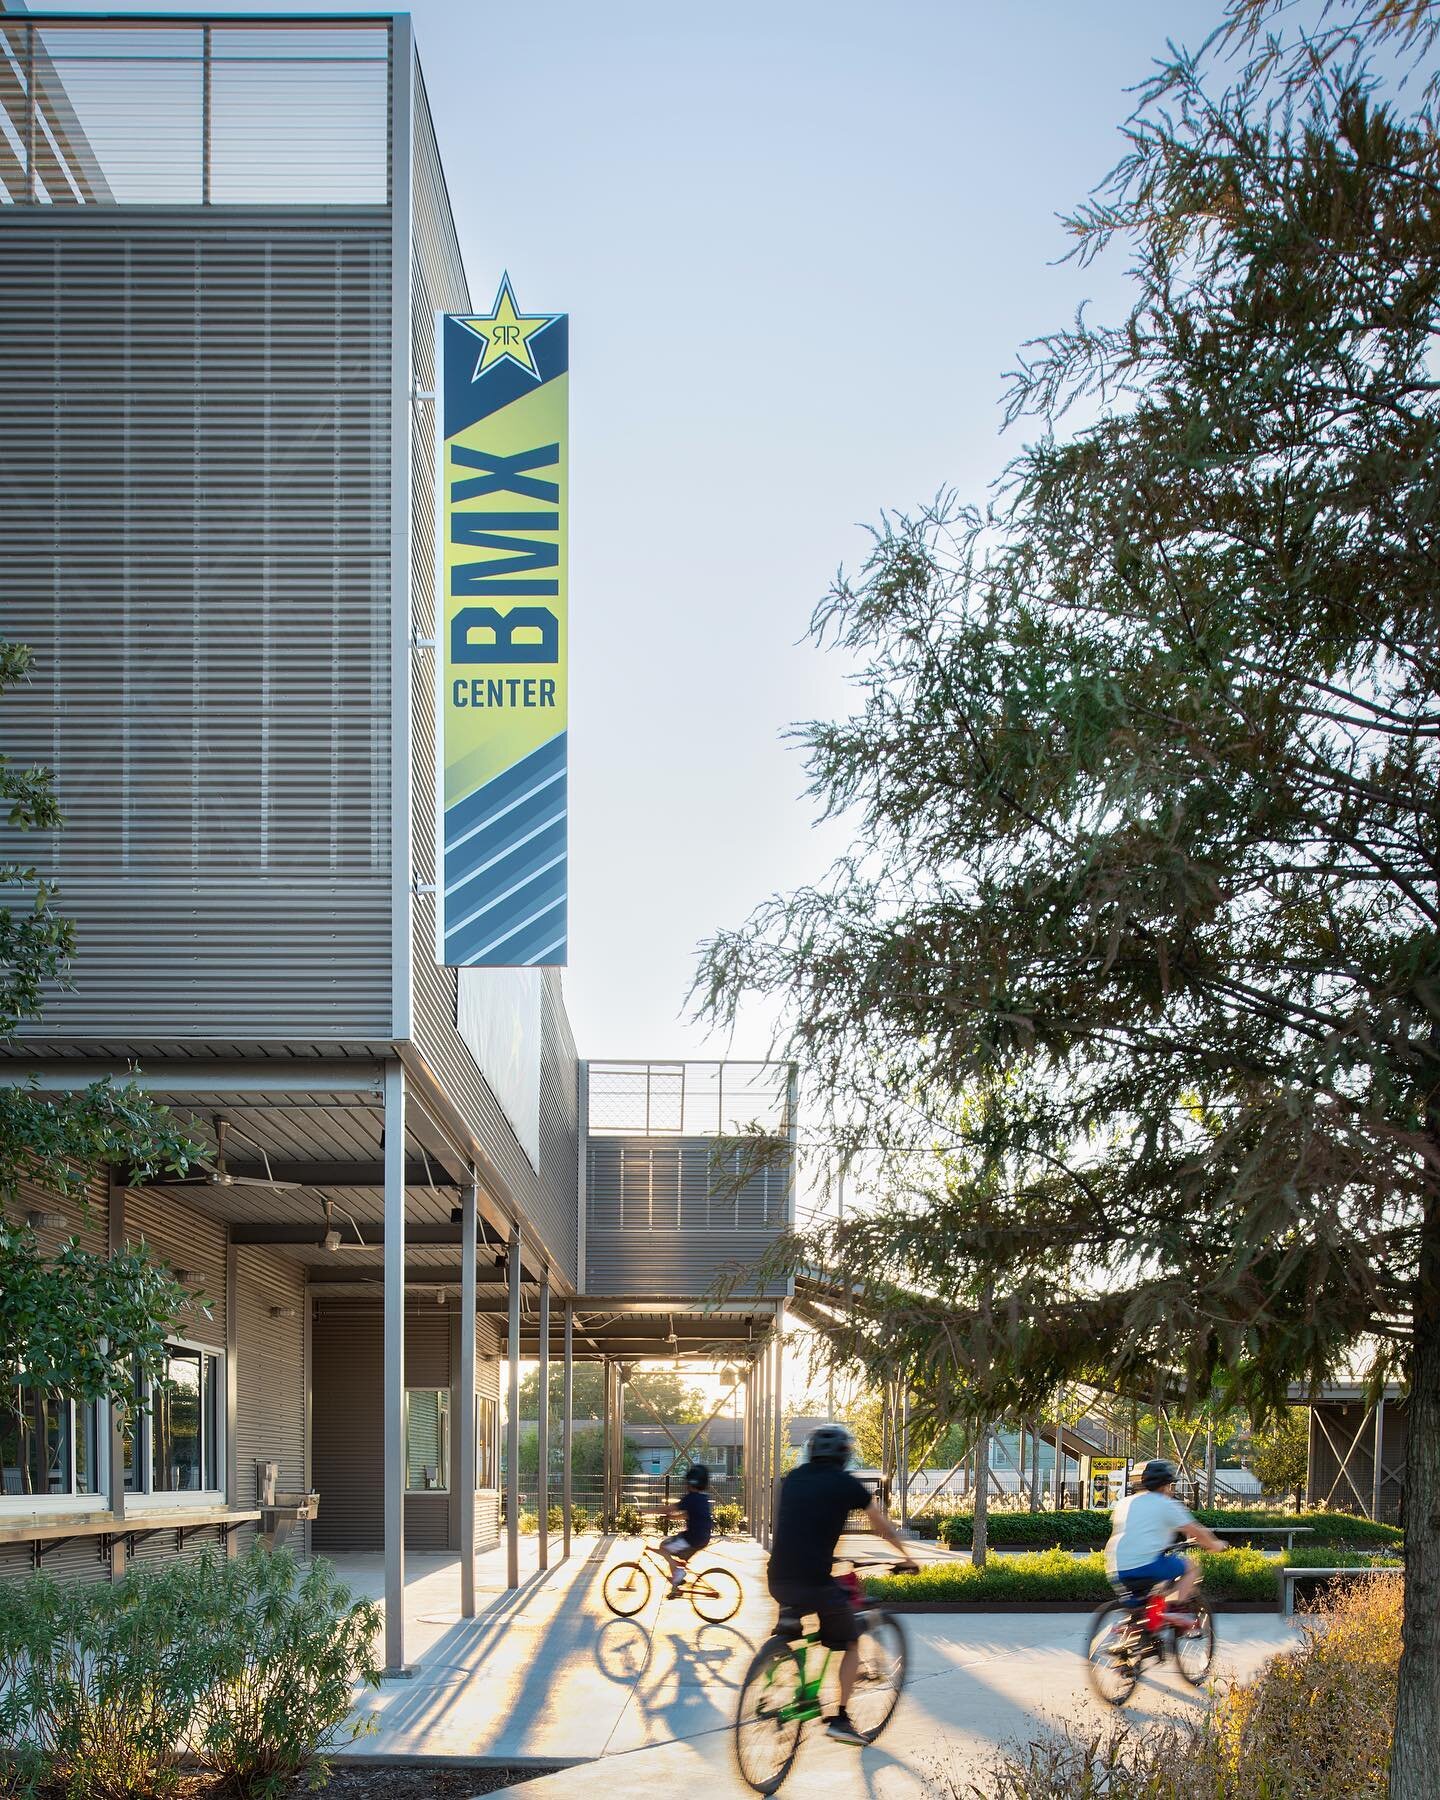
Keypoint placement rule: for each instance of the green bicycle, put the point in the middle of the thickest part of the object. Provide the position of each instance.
(782, 1689)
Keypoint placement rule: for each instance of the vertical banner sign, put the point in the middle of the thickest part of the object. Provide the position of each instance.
(502, 643)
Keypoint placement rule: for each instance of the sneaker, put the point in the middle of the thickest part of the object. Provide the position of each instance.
(841, 1728)
(677, 1590)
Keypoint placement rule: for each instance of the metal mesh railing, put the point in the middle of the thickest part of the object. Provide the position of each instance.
(688, 1099)
(179, 113)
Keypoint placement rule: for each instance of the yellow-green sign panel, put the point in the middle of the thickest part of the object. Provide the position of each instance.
(502, 646)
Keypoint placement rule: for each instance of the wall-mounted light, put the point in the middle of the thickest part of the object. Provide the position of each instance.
(186, 1277)
(45, 1221)
(283, 1312)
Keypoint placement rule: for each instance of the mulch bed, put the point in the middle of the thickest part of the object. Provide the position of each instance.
(377, 1781)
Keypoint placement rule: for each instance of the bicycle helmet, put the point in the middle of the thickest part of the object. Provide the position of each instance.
(1157, 1474)
(830, 1444)
(697, 1476)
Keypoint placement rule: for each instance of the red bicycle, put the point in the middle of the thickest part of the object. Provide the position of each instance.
(1133, 1629)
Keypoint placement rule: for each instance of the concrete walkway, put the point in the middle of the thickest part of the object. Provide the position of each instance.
(548, 1674)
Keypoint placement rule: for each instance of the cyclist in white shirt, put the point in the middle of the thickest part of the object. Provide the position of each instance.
(1143, 1529)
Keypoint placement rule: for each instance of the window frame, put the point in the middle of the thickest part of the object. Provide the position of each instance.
(446, 1448)
(72, 1501)
(151, 1498)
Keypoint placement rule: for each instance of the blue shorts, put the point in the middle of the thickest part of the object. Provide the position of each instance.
(1169, 1567)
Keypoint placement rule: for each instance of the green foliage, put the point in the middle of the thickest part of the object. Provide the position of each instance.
(79, 1323)
(1082, 1529)
(1280, 1453)
(1058, 1574)
(242, 1664)
(280, 1655)
(676, 1400)
(1137, 932)
(581, 1520)
(729, 1517)
(628, 1522)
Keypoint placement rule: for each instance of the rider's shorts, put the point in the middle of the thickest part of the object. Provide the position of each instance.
(1169, 1567)
(679, 1545)
(838, 1626)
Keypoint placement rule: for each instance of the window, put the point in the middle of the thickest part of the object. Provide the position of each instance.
(48, 1445)
(487, 1439)
(427, 1440)
(175, 1444)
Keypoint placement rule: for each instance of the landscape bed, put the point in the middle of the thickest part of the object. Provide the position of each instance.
(1086, 1529)
(1058, 1577)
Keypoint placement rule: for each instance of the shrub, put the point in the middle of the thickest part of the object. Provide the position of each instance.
(1057, 1574)
(102, 1687)
(280, 1658)
(236, 1663)
(729, 1517)
(1316, 1720)
(529, 1524)
(1083, 1529)
(630, 1521)
(580, 1520)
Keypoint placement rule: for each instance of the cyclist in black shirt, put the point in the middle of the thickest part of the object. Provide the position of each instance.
(815, 1500)
(694, 1506)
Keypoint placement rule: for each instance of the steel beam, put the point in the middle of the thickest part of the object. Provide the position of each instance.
(465, 1475)
(542, 1431)
(566, 1430)
(512, 1425)
(394, 1371)
(271, 1075)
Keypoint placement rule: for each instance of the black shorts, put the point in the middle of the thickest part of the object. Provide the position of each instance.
(838, 1626)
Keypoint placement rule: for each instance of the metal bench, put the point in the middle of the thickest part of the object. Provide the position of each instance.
(1288, 1578)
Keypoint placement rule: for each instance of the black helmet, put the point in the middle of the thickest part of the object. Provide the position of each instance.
(697, 1476)
(1157, 1474)
(830, 1444)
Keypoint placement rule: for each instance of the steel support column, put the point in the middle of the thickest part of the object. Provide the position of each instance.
(778, 1403)
(394, 1370)
(542, 1429)
(905, 1456)
(512, 1423)
(566, 1433)
(465, 1474)
(116, 1484)
(1379, 1473)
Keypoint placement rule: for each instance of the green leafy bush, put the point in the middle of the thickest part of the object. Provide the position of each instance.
(1057, 1574)
(729, 1517)
(630, 1522)
(1084, 1529)
(279, 1658)
(102, 1690)
(239, 1664)
(580, 1519)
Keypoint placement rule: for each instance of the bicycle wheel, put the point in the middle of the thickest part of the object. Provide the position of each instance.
(626, 1588)
(881, 1674)
(767, 1723)
(1195, 1648)
(1110, 1652)
(715, 1594)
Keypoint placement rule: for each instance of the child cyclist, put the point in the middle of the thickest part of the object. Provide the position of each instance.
(1143, 1530)
(694, 1506)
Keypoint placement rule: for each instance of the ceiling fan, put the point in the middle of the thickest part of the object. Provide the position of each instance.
(217, 1174)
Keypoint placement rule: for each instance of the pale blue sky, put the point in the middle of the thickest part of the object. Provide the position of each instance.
(799, 243)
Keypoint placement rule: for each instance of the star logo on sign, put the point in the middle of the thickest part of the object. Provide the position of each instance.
(506, 332)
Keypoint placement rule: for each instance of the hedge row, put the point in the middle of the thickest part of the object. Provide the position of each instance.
(1051, 1575)
(1078, 1529)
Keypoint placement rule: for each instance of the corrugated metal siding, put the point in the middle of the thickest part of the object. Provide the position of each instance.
(186, 1239)
(196, 473)
(662, 1219)
(347, 1355)
(547, 1198)
(270, 1369)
